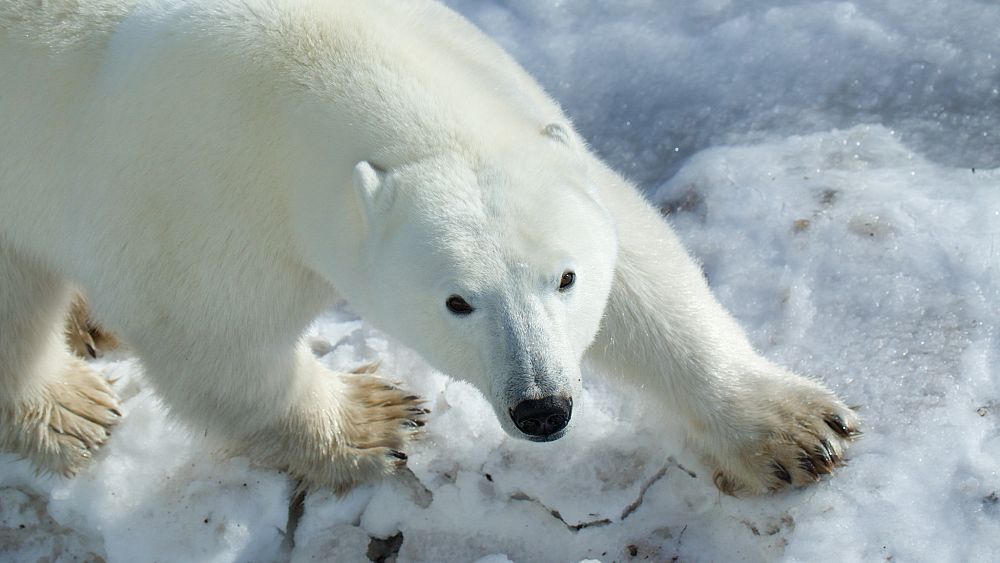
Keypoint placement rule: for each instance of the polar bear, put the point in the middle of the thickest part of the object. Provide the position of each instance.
(214, 174)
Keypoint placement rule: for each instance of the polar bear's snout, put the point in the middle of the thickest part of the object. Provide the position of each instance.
(543, 419)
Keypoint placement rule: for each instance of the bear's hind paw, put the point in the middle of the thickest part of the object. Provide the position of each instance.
(59, 430)
(84, 338)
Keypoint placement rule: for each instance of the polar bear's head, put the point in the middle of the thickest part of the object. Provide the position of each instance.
(495, 269)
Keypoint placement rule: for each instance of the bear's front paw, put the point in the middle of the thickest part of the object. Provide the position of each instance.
(59, 428)
(785, 437)
(354, 433)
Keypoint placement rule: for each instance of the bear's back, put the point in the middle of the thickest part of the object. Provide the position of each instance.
(62, 24)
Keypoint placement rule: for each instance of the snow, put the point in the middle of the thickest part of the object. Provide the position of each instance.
(834, 167)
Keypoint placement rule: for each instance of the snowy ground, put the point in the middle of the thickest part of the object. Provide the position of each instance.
(834, 166)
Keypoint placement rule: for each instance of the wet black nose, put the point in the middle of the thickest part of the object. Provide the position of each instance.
(542, 417)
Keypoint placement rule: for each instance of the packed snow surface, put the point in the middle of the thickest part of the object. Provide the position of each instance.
(834, 168)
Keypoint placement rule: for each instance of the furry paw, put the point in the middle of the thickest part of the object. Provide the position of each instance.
(356, 435)
(86, 339)
(798, 431)
(60, 427)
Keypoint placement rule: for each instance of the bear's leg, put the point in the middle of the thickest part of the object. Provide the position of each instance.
(54, 410)
(346, 430)
(758, 426)
(351, 429)
(283, 409)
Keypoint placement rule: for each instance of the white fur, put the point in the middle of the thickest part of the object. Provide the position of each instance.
(213, 174)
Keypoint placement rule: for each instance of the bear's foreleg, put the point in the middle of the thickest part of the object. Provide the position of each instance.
(54, 410)
(325, 429)
(758, 426)
(349, 430)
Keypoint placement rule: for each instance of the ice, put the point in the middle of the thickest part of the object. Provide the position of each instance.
(833, 165)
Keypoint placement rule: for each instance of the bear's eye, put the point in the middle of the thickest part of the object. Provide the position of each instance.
(567, 280)
(458, 305)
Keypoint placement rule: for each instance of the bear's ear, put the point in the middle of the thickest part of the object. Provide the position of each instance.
(369, 182)
(563, 134)
(558, 132)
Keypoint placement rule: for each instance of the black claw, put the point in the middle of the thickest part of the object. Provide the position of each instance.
(411, 398)
(807, 465)
(90, 351)
(837, 424)
(824, 453)
(398, 455)
(834, 458)
(781, 473)
(116, 412)
(822, 461)
(419, 410)
(412, 423)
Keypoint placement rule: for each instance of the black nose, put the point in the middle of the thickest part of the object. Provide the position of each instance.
(542, 417)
